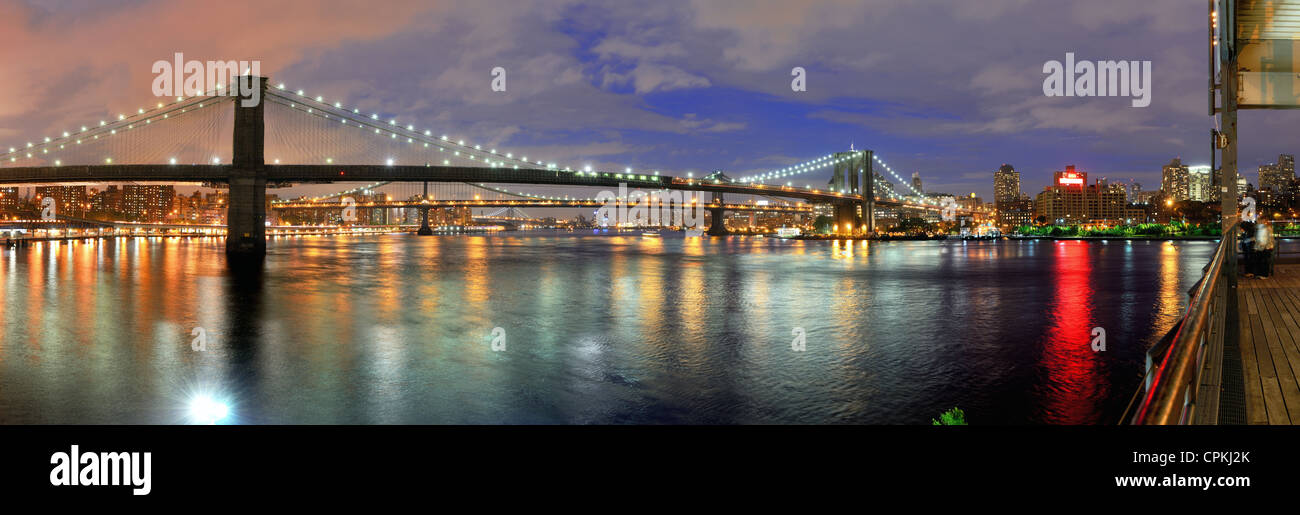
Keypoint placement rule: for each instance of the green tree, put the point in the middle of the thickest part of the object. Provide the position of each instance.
(952, 417)
(913, 225)
(822, 224)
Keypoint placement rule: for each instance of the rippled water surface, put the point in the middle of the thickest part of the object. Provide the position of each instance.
(597, 328)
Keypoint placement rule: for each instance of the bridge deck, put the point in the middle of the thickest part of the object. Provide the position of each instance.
(1270, 345)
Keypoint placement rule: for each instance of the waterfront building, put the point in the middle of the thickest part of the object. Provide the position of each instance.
(1200, 183)
(68, 200)
(147, 202)
(1173, 180)
(1070, 200)
(1006, 184)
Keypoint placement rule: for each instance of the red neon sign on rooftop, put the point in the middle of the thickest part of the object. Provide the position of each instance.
(1071, 178)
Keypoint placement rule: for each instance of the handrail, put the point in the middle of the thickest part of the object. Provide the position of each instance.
(1171, 397)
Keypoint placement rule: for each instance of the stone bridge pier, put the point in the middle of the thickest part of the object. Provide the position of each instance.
(246, 212)
(717, 217)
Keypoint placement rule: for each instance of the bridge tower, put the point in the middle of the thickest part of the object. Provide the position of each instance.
(857, 215)
(424, 215)
(717, 216)
(246, 212)
(846, 217)
(868, 191)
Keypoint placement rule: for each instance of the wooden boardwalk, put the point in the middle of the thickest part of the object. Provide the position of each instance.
(1269, 311)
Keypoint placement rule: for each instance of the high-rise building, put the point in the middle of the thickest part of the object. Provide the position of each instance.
(1065, 201)
(107, 202)
(1145, 197)
(1173, 181)
(68, 200)
(1070, 200)
(9, 200)
(1014, 208)
(1006, 184)
(1276, 176)
(1108, 202)
(147, 202)
(1200, 183)
(971, 202)
(1286, 166)
(916, 183)
(884, 188)
(1015, 213)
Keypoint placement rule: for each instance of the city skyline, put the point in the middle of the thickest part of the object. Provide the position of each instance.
(333, 229)
(727, 104)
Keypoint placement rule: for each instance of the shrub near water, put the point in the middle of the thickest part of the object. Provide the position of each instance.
(952, 417)
(1123, 231)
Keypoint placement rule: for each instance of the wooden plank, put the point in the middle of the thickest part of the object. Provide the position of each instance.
(1279, 342)
(1274, 402)
(1286, 294)
(1256, 412)
(1287, 304)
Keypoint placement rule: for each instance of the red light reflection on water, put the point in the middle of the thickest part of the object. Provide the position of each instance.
(1072, 387)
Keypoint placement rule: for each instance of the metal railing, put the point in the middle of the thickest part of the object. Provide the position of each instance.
(1285, 231)
(1168, 394)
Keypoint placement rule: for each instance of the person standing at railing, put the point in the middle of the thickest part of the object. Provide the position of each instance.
(1263, 249)
(1247, 241)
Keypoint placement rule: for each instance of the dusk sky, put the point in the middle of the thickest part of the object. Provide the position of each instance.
(952, 90)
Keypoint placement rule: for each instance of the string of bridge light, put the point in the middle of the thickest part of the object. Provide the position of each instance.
(900, 179)
(630, 197)
(378, 130)
(355, 190)
(808, 166)
(108, 128)
(823, 162)
(635, 195)
(490, 156)
(394, 130)
(443, 143)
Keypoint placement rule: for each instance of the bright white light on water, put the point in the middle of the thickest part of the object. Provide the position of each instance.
(206, 410)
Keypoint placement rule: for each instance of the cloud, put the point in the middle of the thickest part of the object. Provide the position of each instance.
(647, 78)
(622, 48)
(939, 87)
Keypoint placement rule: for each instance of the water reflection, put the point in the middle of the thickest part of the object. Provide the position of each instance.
(1073, 385)
(599, 329)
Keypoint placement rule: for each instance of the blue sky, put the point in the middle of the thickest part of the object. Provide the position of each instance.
(950, 89)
